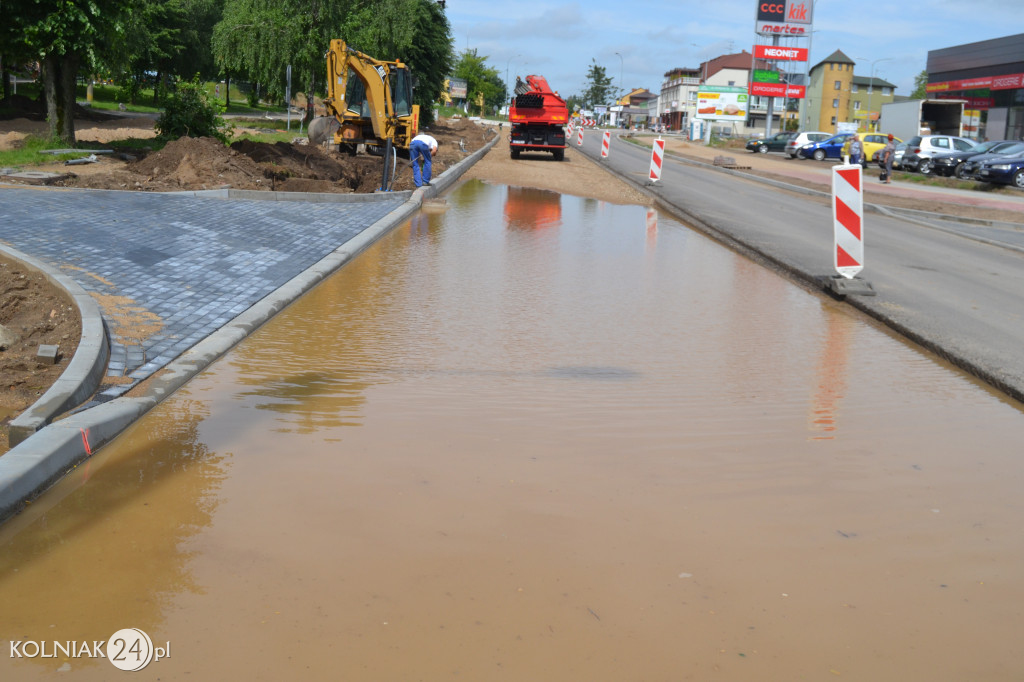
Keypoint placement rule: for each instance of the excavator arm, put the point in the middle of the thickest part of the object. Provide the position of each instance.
(371, 99)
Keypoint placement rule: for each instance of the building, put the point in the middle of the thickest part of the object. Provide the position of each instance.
(678, 100)
(990, 75)
(867, 95)
(733, 70)
(827, 101)
(635, 108)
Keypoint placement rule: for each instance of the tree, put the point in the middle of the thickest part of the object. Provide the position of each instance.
(599, 89)
(63, 35)
(480, 78)
(920, 81)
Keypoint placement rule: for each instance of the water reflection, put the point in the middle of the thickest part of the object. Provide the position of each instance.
(527, 208)
(112, 554)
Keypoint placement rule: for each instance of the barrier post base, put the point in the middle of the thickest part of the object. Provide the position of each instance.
(843, 286)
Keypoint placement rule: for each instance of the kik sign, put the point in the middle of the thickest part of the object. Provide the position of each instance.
(784, 17)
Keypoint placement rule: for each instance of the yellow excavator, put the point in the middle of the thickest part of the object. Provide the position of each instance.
(370, 99)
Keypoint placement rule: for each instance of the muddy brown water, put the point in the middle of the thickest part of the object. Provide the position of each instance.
(537, 437)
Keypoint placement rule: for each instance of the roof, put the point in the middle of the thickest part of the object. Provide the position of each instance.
(876, 82)
(837, 57)
(740, 60)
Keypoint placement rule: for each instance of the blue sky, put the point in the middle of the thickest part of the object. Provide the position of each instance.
(559, 39)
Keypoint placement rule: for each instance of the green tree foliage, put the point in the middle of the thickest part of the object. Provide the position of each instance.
(189, 113)
(168, 38)
(480, 78)
(63, 35)
(599, 87)
(920, 81)
(260, 38)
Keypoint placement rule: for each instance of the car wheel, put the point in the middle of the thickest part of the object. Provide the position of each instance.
(819, 154)
(763, 149)
(792, 156)
(925, 167)
(1018, 179)
(962, 172)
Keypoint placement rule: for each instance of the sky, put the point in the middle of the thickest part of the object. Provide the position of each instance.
(637, 42)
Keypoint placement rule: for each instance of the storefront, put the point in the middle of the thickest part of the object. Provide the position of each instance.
(990, 76)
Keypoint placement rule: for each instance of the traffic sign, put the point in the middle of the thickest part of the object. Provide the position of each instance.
(847, 216)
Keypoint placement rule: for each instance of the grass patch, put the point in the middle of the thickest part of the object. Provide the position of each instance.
(29, 152)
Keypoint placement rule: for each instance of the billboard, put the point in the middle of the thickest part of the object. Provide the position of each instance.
(457, 88)
(775, 52)
(778, 90)
(784, 17)
(722, 104)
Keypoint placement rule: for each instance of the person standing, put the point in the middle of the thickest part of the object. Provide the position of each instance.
(423, 146)
(888, 156)
(856, 150)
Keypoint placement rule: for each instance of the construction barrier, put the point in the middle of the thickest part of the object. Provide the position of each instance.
(847, 217)
(579, 137)
(606, 140)
(657, 154)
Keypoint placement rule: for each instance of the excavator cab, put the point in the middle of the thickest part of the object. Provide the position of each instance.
(371, 99)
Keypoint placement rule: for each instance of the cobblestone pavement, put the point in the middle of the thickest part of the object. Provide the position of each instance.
(179, 267)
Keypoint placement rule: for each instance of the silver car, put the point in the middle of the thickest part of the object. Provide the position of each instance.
(921, 149)
(800, 139)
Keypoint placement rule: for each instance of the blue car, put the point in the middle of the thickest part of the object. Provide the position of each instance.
(1003, 171)
(832, 148)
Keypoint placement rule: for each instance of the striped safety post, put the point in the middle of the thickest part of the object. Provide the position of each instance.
(848, 219)
(657, 154)
(579, 137)
(606, 140)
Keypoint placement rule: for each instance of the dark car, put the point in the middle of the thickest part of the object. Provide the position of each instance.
(973, 165)
(952, 164)
(1003, 171)
(775, 143)
(832, 148)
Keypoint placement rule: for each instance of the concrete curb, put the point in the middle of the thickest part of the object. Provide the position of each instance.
(87, 366)
(28, 469)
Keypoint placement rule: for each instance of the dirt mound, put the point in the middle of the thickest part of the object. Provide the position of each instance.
(196, 163)
(206, 163)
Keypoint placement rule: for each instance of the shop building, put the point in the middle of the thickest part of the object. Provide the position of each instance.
(988, 74)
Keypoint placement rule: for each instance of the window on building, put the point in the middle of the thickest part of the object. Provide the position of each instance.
(839, 85)
(831, 67)
(854, 88)
(732, 83)
(833, 120)
(886, 91)
(856, 106)
(835, 103)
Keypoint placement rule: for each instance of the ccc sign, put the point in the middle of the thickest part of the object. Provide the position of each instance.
(771, 11)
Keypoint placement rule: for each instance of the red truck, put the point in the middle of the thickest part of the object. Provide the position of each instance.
(538, 117)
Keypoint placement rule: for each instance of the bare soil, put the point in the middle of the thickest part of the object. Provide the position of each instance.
(36, 313)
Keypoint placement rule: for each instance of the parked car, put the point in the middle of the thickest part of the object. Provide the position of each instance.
(800, 139)
(1002, 149)
(775, 143)
(872, 144)
(829, 148)
(949, 164)
(921, 149)
(1004, 171)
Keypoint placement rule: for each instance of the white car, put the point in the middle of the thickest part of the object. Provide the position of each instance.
(800, 139)
(921, 149)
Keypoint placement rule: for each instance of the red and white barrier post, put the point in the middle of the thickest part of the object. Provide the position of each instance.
(579, 137)
(657, 154)
(848, 219)
(606, 140)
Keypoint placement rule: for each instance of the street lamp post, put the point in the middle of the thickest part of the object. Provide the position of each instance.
(871, 83)
(506, 83)
(620, 84)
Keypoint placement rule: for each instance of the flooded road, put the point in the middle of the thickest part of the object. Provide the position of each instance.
(537, 437)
